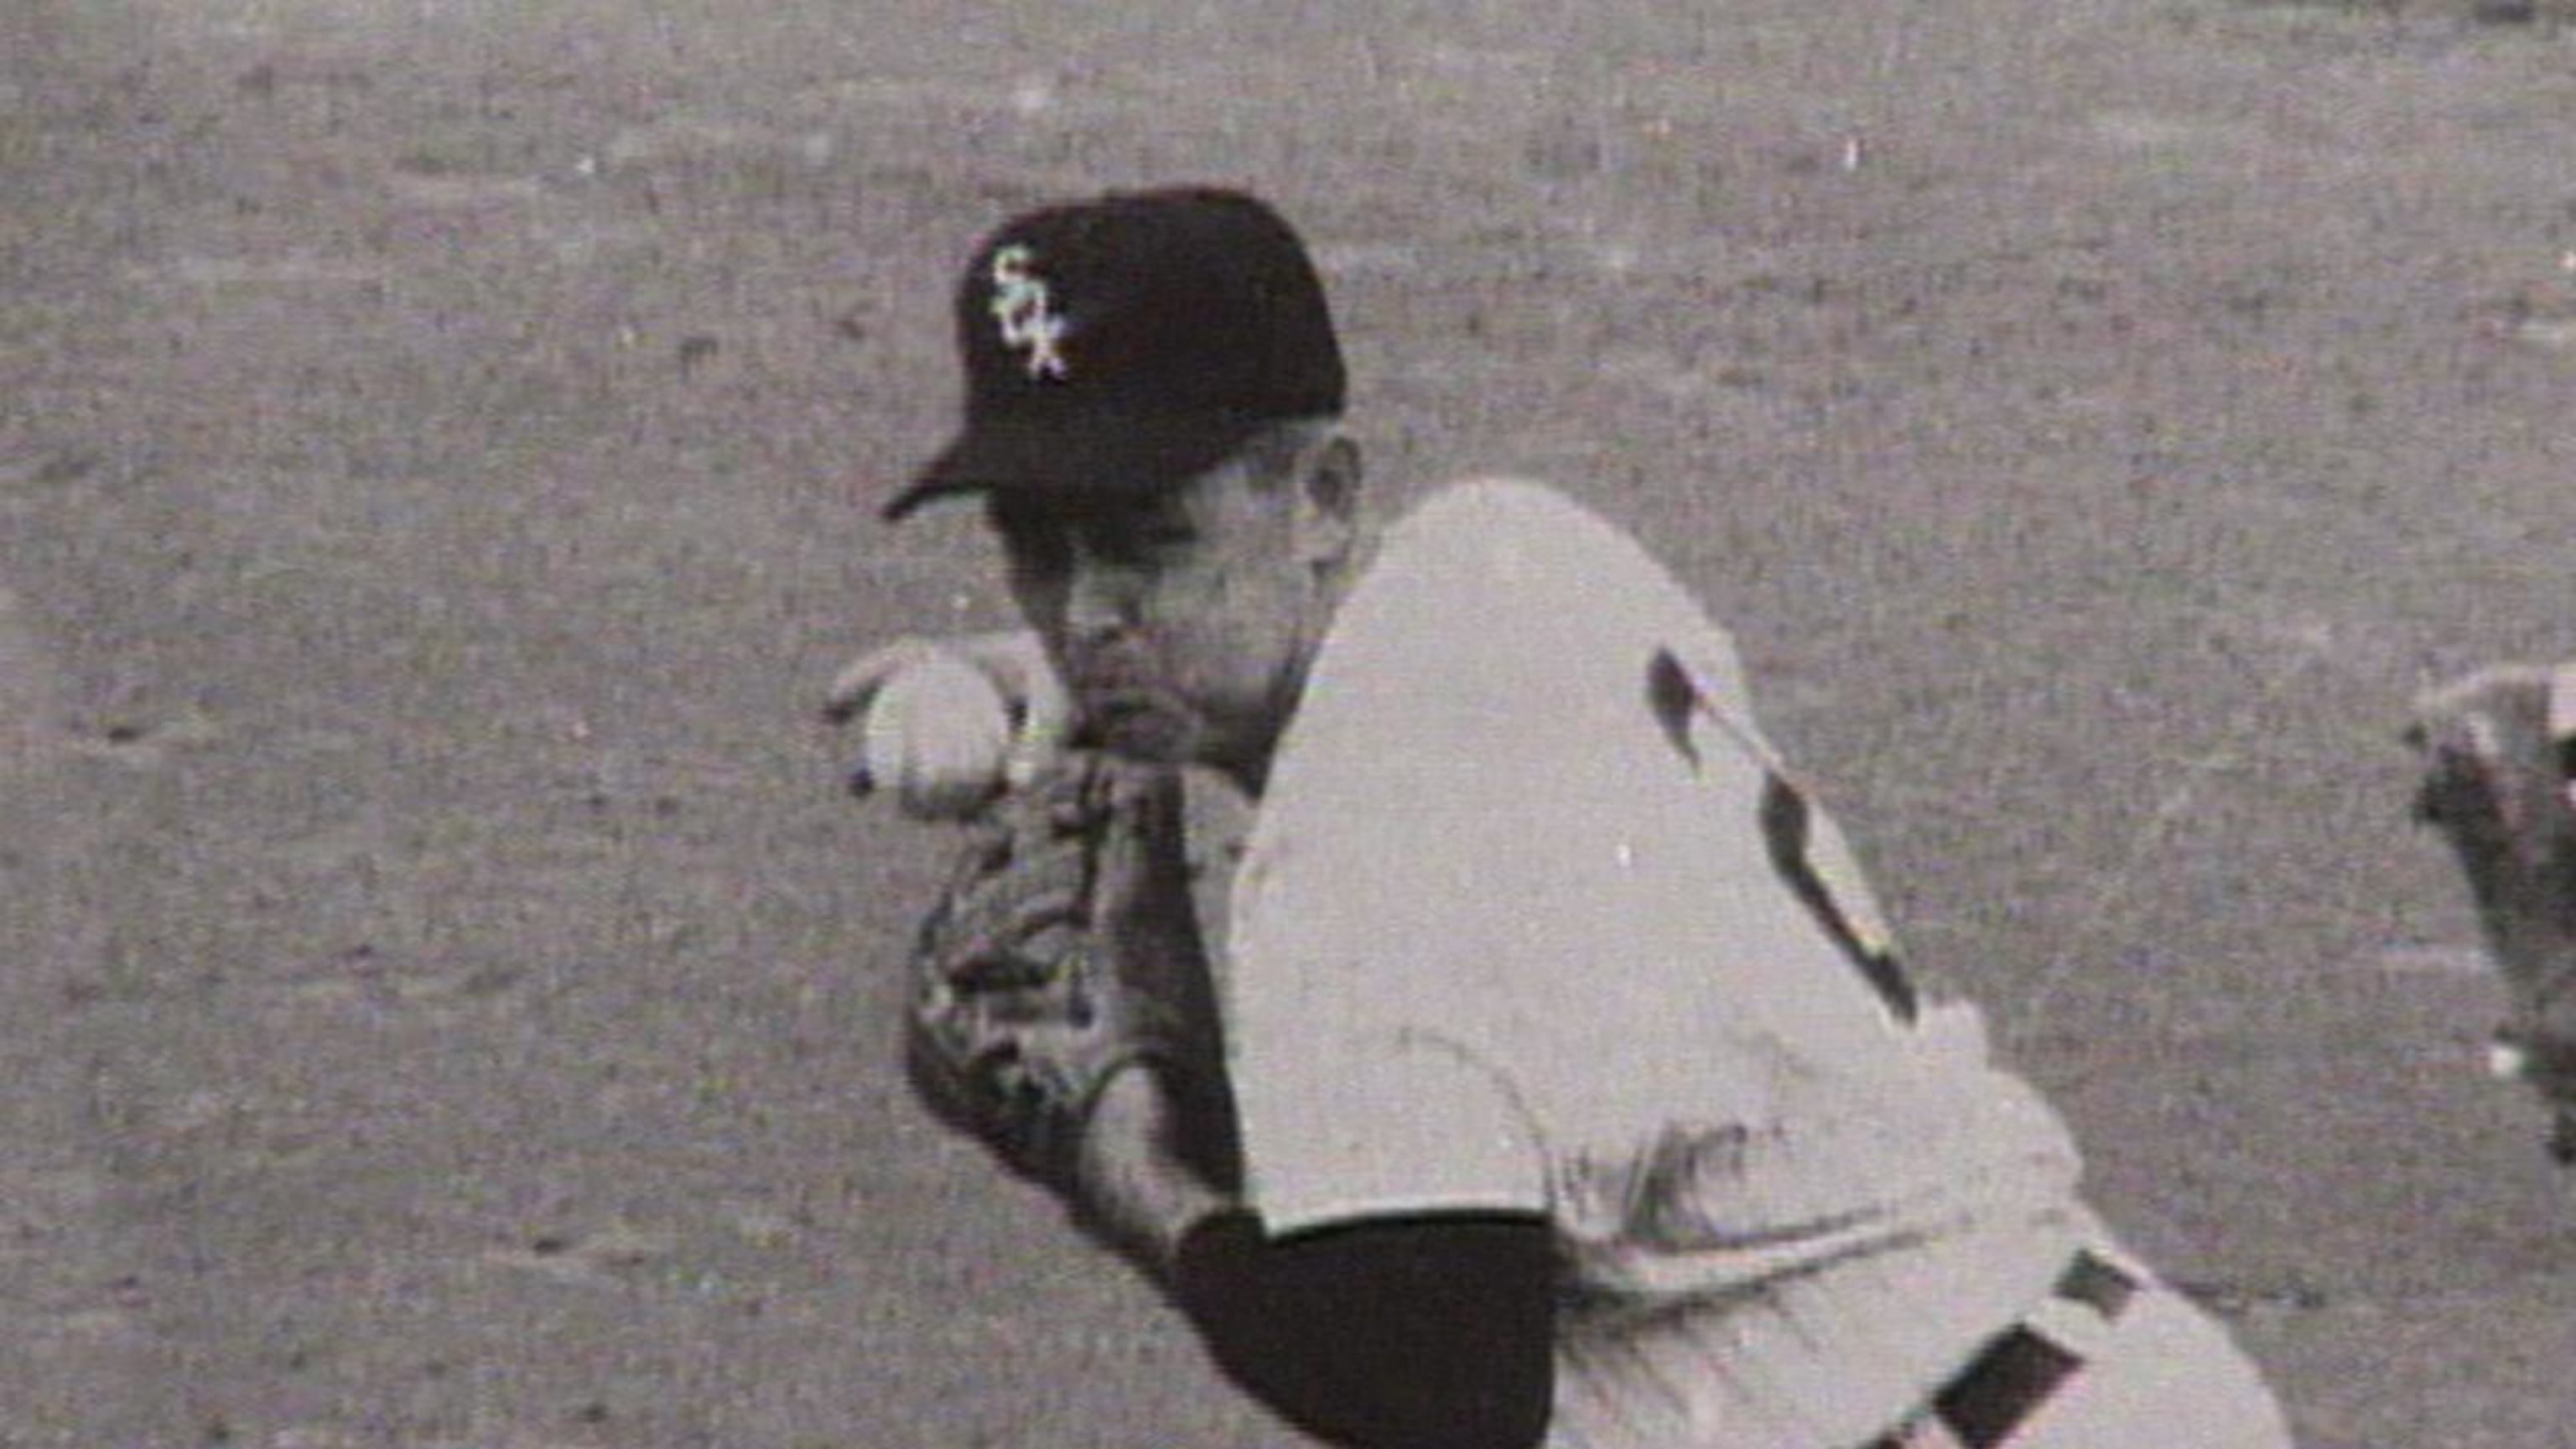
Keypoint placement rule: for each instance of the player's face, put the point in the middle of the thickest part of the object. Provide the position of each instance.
(1183, 620)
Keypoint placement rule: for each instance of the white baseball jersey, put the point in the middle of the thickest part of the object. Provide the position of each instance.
(1530, 919)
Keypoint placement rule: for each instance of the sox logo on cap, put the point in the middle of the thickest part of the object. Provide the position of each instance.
(1025, 308)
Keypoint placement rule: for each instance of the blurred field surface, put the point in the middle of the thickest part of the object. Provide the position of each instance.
(447, 1002)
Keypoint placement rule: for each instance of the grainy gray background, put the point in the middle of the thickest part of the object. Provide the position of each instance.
(444, 999)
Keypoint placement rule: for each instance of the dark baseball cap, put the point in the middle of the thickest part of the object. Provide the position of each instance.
(1128, 343)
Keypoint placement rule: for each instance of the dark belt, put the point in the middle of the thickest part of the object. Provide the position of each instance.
(2020, 1367)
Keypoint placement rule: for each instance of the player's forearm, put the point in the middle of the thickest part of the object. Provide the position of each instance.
(1132, 1182)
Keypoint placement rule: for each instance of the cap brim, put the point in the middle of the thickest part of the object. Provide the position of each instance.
(1123, 458)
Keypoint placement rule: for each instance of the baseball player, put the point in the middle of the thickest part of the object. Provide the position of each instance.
(1555, 1079)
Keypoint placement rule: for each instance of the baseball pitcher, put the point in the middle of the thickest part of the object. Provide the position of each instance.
(1551, 1077)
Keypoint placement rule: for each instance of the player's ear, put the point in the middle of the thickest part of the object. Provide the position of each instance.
(1328, 501)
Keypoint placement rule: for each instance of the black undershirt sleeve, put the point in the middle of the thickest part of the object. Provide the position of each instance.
(1431, 1331)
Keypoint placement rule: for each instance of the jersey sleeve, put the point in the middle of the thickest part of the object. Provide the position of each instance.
(1383, 943)
(1373, 951)
(1379, 958)
(1390, 1126)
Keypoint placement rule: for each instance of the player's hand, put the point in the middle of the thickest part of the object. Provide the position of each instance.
(944, 743)
(1145, 908)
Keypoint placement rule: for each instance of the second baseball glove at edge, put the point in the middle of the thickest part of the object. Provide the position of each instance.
(2496, 747)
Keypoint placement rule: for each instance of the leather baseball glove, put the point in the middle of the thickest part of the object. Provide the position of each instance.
(1064, 949)
(2497, 748)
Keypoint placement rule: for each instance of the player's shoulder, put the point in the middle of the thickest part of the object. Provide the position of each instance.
(1497, 511)
(1505, 613)
(1528, 534)
(1505, 555)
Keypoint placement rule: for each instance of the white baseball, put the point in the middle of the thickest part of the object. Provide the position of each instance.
(938, 734)
(2507, 1060)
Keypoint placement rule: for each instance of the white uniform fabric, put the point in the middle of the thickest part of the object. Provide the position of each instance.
(1510, 934)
